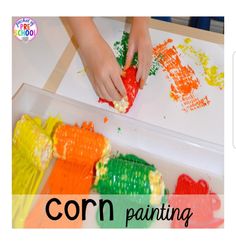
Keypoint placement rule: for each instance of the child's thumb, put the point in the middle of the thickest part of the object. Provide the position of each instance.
(129, 57)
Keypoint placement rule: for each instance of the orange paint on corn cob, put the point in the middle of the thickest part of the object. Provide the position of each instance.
(79, 145)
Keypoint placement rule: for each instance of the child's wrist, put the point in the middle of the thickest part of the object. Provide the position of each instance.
(141, 22)
(85, 31)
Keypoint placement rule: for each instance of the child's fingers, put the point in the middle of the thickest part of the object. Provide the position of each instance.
(117, 81)
(112, 91)
(92, 80)
(129, 56)
(140, 67)
(145, 61)
(144, 77)
(98, 92)
(145, 73)
(104, 93)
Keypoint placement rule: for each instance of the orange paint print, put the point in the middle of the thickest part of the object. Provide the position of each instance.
(185, 83)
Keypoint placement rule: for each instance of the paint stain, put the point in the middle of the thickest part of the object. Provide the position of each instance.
(105, 120)
(118, 130)
(121, 49)
(185, 83)
(65, 179)
(83, 71)
(211, 73)
(198, 196)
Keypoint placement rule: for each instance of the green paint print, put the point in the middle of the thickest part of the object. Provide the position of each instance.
(121, 49)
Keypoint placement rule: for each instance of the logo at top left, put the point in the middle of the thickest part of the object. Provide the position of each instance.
(25, 29)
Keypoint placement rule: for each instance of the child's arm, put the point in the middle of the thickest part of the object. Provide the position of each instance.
(140, 41)
(102, 67)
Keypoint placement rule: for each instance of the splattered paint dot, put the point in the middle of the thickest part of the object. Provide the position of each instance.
(118, 130)
(105, 120)
(184, 81)
(212, 75)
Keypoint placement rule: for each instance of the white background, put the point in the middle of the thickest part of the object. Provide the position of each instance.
(112, 238)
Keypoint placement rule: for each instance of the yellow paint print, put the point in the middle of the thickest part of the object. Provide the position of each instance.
(212, 75)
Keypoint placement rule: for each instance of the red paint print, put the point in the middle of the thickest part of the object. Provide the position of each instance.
(197, 196)
(184, 78)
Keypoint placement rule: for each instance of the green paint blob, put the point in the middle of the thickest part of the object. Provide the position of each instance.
(121, 49)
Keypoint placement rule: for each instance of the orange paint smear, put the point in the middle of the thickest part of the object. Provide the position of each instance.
(184, 78)
(66, 180)
(69, 178)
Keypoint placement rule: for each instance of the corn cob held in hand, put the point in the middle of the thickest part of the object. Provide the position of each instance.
(131, 86)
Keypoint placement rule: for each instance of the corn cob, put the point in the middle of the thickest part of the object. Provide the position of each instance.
(131, 86)
(32, 142)
(129, 175)
(80, 145)
(31, 153)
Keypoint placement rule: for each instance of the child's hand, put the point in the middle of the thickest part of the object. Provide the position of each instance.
(140, 41)
(103, 69)
(101, 65)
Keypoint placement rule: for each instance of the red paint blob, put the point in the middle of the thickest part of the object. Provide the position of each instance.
(197, 196)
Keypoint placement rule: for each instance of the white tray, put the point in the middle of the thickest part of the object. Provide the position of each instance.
(173, 153)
